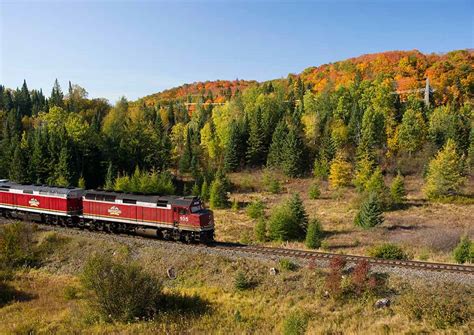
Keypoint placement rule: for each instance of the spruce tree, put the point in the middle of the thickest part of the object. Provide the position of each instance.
(63, 172)
(232, 154)
(218, 196)
(445, 172)
(195, 190)
(370, 213)
(205, 191)
(18, 166)
(314, 234)
(256, 141)
(464, 251)
(298, 212)
(109, 177)
(57, 96)
(397, 190)
(261, 230)
(275, 154)
(293, 155)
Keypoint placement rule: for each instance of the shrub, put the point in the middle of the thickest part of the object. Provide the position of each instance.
(16, 245)
(282, 226)
(397, 190)
(288, 265)
(295, 324)
(195, 191)
(388, 251)
(261, 230)
(241, 282)
(119, 290)
(274, 186)
(445, 172)
(235, 205)
(314, 234)
(370, 213)
(464, 251)
(218, 195)
(442, 306)
(334, 278)
(321, 168)
(205, 191)
(314, 191)
(256, 209)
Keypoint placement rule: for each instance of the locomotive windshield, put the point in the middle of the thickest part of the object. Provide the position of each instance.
(196, 207)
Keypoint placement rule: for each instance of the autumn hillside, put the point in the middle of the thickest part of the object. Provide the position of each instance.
(448, 74)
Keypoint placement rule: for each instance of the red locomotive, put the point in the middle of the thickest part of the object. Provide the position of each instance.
(171, 217)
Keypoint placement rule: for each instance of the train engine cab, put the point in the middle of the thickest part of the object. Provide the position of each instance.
(191, 216)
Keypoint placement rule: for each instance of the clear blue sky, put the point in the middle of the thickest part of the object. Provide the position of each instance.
(137, 48)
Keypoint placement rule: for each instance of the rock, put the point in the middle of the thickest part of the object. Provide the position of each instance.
(171, 272)
(273, 271)
(382, 303)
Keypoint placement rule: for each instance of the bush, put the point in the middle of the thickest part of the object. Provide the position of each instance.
(288, 265)
(388, 251)
(314, 234)
(370, 213)
(16, 245)
(441, 306)
(274, 186)
(205, 191)
(282, 226)
(334, 278)
(119, 290)
(464, 251)
(295, 324)
(241, 282)
(261, 230)
(235, 205)
(256, 209)
(314, 191)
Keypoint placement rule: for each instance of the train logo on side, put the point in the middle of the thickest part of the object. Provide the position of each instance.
(33, 202)
(114, 211)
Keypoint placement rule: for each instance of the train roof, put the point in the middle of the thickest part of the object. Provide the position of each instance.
(42, 189)
(102, 195)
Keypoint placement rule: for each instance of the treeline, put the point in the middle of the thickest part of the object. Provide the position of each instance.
(340, 133)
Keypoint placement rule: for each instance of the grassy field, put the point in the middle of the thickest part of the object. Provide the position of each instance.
(49, 299)
(427, 230)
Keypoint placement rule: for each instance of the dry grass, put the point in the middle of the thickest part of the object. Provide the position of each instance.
(426, 230)
(50, 309)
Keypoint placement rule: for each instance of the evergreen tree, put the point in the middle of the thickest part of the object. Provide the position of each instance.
(218, 195)
(412, 131)
(18, 166)
(314, 190)
(256, 141)
(314, 234)
(282, 225)
(261, 230)
(445, 172)
(195, 190)
(24, 100)
(81, 183)
(365, 168)
(376, 184)
(232, 154)
(397, 190)
(340, 173)
(276, 152)
(370, 213)
(205, 191)
(57, 96)
(298, 212)
(63, 172)
(109, 177)
(293, 155)
(464, 251)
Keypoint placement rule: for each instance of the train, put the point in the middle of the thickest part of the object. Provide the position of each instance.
(180, 218)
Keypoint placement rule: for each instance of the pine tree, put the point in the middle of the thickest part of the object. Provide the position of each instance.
(232, 154)
(412, 131)
(397, 190)
(445, 172)
(57, 96)
(63, 170)
(109, 177)
(298, 212)
(18, 166)
(256, 142)
(195, 190)
(314, 234)
(293, 155)
(218, 195)
(275, 154)
(340, 173)
(370, 213)
(261, 230)
(24, 100)
(205, 191)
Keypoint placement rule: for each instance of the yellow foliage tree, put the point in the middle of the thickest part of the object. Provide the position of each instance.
(340, 172)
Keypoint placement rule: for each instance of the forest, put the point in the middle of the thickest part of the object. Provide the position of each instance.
(342, 122)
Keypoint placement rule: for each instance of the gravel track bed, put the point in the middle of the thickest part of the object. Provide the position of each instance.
(146, 241)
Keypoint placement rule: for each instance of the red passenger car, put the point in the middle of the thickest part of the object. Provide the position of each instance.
(51, 204)
(173, 217)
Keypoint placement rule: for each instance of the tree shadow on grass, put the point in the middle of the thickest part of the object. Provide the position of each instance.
(9, 294)
(184, 305)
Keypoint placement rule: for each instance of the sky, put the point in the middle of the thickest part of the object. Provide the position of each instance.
(136, 48)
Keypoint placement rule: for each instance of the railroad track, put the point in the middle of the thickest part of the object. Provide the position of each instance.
(298, 254)
(316, 255)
